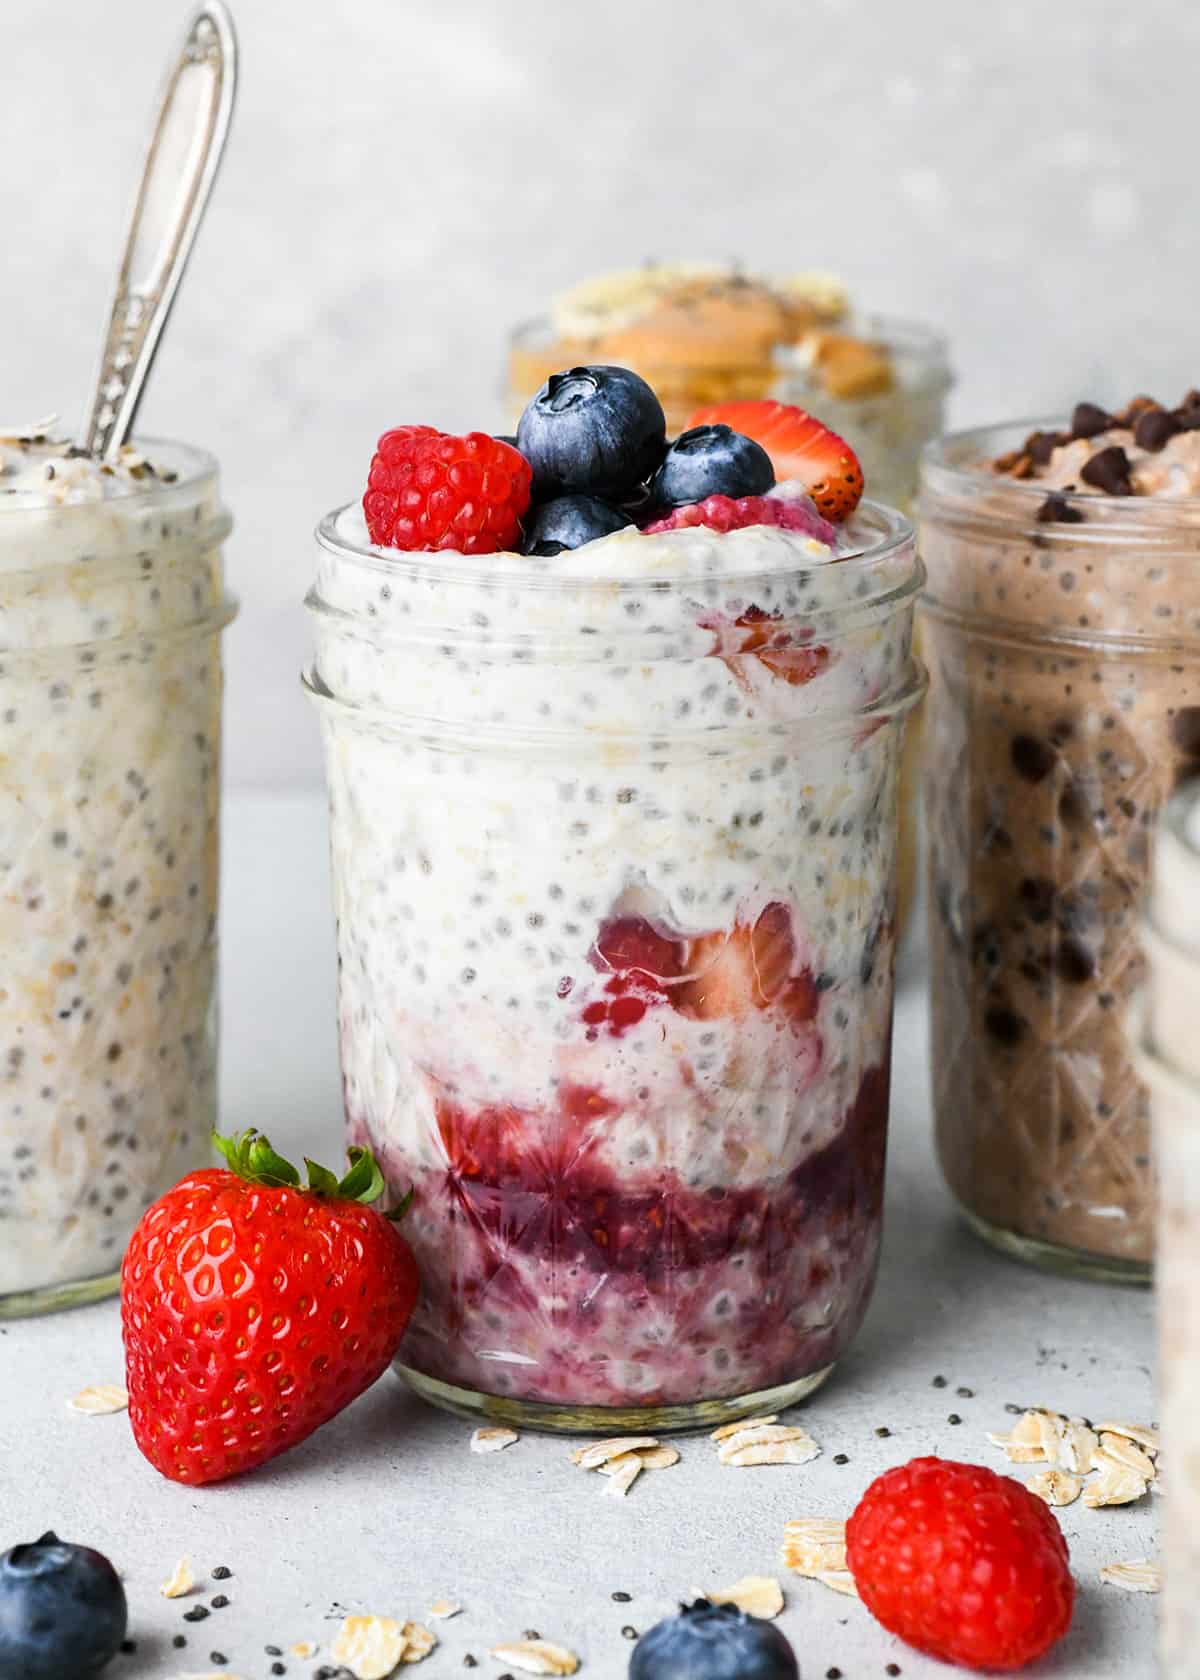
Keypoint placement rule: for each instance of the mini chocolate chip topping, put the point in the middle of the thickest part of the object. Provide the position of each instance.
(1108, 470)
(1088, 420)
(1154, 428)
(1039, 446)
(1056, 509)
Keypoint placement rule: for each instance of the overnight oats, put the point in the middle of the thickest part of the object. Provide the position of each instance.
(1169, 1061)
(613, 826)
(1062, 630)
(111, 599)
(704, 334)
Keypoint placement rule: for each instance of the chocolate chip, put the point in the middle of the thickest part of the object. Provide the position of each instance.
(1075, 962)
(1057, 510)
(1185, 731)
(1039, 446)
(1031, 758)
(1154, 428)
(1108, 470)
(1089, 421)
(1006, 1027)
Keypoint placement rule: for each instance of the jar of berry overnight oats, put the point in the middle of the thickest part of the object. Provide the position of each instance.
(111, 600)
(614, 844)
(1062, 631)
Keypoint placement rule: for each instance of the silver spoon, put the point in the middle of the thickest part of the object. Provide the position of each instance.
(185, 149)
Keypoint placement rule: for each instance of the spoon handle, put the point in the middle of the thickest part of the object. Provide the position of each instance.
(185, 149)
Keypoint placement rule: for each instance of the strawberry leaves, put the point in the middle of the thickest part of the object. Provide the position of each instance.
(250, 1155)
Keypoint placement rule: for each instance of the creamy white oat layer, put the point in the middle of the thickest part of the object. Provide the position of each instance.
(110, 595)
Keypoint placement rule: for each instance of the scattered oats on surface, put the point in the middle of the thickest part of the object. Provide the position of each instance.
(537, 1656)
(493, 1439)
(1115, 1485)
(811, 1544)
(801, 1451)
(840, 1580)
(728, 1429)
(620, 1481)
(599, 1452)
(418, 1642)
(658, 1458)
(303, 1648)
(767, 1434)
(1056, 1487)
(1076, 1447)
(1016, 1449)
(1137, 1575)
(180, 1581)
(1140, 1434)
(371, 1647)
(757, 1595)
(100, 1399)
(443, 1608)
(1126, 1452)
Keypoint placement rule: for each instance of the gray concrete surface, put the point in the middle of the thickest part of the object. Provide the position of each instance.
(386, 1510)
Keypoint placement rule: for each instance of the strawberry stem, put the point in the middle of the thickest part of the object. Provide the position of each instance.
(249, 1154)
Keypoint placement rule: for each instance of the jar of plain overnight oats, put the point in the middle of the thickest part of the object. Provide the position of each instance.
(111, 600)
(1062, 631)
(1167, 1050)
(614, 842)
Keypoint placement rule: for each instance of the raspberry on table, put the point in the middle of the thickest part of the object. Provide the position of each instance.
(431, 490)
(961, 1563)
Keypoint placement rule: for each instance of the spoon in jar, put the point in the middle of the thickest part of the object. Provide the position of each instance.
(189, 136)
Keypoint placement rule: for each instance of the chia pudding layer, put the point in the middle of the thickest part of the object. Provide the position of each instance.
(1062, 630)
(110, 687)
(613, 847)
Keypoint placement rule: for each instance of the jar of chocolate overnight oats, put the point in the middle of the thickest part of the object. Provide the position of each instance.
(111, 600)
(1062, 631)
(614, 843)
(1167, 1048)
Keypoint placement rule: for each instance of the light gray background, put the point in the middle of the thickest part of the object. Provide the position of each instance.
(408, 177)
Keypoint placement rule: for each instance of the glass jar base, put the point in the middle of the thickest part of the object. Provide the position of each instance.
(1055, 1257)
(566, 1419)
(58, 1297)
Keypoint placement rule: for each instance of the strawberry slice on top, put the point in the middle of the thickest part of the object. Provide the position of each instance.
(800, 448)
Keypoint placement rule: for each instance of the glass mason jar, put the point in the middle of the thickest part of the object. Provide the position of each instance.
(1063, 639)
(1168, 1057)
(110, 716)
(613, 865)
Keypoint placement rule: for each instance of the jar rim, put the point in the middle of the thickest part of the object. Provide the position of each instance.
(958, 465)
(894, 532)
(192, 465)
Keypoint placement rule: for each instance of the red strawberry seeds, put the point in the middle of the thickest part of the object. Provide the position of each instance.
(430, 490)
(254, 1310)
(800, 447)
(961, 1563)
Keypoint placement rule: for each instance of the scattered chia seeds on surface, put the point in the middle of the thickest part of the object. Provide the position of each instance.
(939, 1382)
(954, 1418)
(469, 1661)
(179, 1641)
(893, 1669)
(273, 1650)
(531, 1633)
(222, 1572)
(833, 1674)
(629, 1632)
(220, 1602)
(841, 1458)
(200, 1613)
(278, 1668)
(622, 1598)
(965, 1393)
(218, 1657)
(883, 1432)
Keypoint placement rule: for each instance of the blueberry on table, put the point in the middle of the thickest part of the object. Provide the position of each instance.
(711, 461)
(62, 1611)
(713, 1642)
(569, 522)
(598, 430)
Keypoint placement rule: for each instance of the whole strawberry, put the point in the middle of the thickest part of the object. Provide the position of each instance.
(253, 1310)
(961, 1563)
